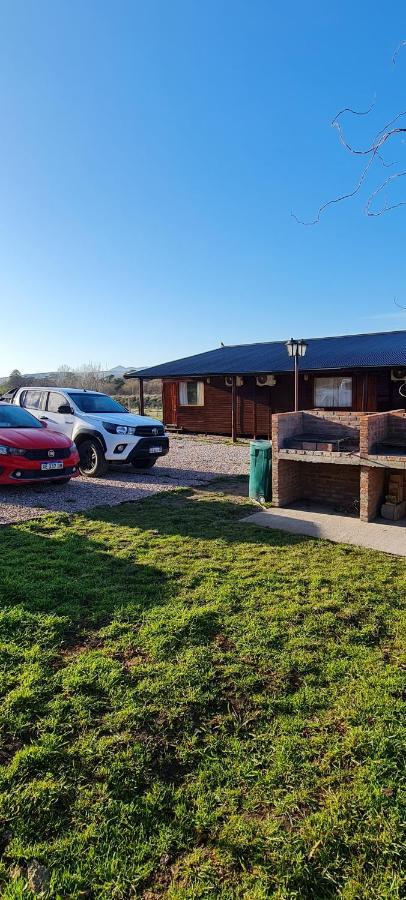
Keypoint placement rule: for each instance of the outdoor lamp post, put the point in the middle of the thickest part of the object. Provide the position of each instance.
(296, 349)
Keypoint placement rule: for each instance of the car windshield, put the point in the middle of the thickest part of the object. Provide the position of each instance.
(15, 417)
(97, 403)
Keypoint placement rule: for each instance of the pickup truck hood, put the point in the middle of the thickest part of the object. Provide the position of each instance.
(123, 419)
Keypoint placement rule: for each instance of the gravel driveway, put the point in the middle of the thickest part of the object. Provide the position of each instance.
(190, 462)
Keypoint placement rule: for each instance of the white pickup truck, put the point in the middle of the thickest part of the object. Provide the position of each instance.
(103, 430)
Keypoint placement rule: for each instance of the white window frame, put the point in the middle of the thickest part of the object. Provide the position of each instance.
(341, 393)
(184, 399)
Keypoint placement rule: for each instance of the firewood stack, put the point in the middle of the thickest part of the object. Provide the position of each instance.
(395, 502)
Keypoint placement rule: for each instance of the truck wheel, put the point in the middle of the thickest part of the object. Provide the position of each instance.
(92, 462)
(143, 463)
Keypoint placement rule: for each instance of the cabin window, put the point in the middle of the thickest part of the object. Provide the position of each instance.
(333, 393)
(191, 393)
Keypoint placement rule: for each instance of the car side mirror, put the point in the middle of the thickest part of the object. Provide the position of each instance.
(65, 409)
(44, 424)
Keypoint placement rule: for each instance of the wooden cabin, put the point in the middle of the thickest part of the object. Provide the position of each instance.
(234, 390)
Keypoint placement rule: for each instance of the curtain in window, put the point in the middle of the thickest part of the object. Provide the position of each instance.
(183, 393)
(191, 393)
(333, 392)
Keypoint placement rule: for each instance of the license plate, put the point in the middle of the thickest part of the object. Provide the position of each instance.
(155, 449)
(45, 467)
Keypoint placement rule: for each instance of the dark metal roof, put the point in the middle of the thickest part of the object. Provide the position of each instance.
(350, 351)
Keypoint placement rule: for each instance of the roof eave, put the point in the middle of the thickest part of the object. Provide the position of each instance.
(158, 373)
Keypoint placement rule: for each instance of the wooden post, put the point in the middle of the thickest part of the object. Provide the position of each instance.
(233, 411)
(141, 380)
(162, 401)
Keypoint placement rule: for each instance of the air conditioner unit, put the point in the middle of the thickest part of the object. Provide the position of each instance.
(398, 374)
(229, 381)
(265, 380)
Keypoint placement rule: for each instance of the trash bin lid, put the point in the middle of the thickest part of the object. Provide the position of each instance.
(260, 445)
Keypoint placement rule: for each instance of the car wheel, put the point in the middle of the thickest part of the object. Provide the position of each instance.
(92, 463)
(143, 463)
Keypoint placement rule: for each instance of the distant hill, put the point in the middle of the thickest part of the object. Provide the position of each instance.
(116, 372)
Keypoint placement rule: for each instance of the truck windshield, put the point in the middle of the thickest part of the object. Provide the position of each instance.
(16, 417)
(96, 403)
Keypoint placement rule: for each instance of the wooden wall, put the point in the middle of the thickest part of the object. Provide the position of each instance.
(372, 391)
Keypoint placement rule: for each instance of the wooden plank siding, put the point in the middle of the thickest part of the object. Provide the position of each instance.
(372, 391)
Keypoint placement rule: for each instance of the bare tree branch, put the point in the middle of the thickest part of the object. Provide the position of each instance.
(373, 152)
(336, 124)
(337, 199)
(383, 137)
(380, 137)
(392, 122)
(397, 51)
(378, 190)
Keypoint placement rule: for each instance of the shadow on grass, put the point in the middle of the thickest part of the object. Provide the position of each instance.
(47, 569)
(89, 576)
(193, 515)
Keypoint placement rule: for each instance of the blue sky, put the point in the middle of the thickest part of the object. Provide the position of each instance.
(151, 155)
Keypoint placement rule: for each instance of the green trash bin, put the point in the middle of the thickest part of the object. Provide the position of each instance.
(260, 486)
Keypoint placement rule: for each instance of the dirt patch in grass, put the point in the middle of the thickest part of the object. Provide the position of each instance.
(229, 487)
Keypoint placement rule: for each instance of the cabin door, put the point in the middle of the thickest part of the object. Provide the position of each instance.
(171, 403)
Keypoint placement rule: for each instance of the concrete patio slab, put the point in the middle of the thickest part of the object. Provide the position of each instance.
(319, 522)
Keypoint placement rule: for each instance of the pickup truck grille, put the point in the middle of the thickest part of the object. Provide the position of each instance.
(150, 430)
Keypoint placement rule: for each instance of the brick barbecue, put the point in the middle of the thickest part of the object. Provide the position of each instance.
(354, 461)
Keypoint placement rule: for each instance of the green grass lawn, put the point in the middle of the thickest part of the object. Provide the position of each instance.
(195, 708)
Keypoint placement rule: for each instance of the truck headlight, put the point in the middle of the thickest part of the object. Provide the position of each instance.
(115, 429)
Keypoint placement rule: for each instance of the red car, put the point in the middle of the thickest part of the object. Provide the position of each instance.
(31, 452)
